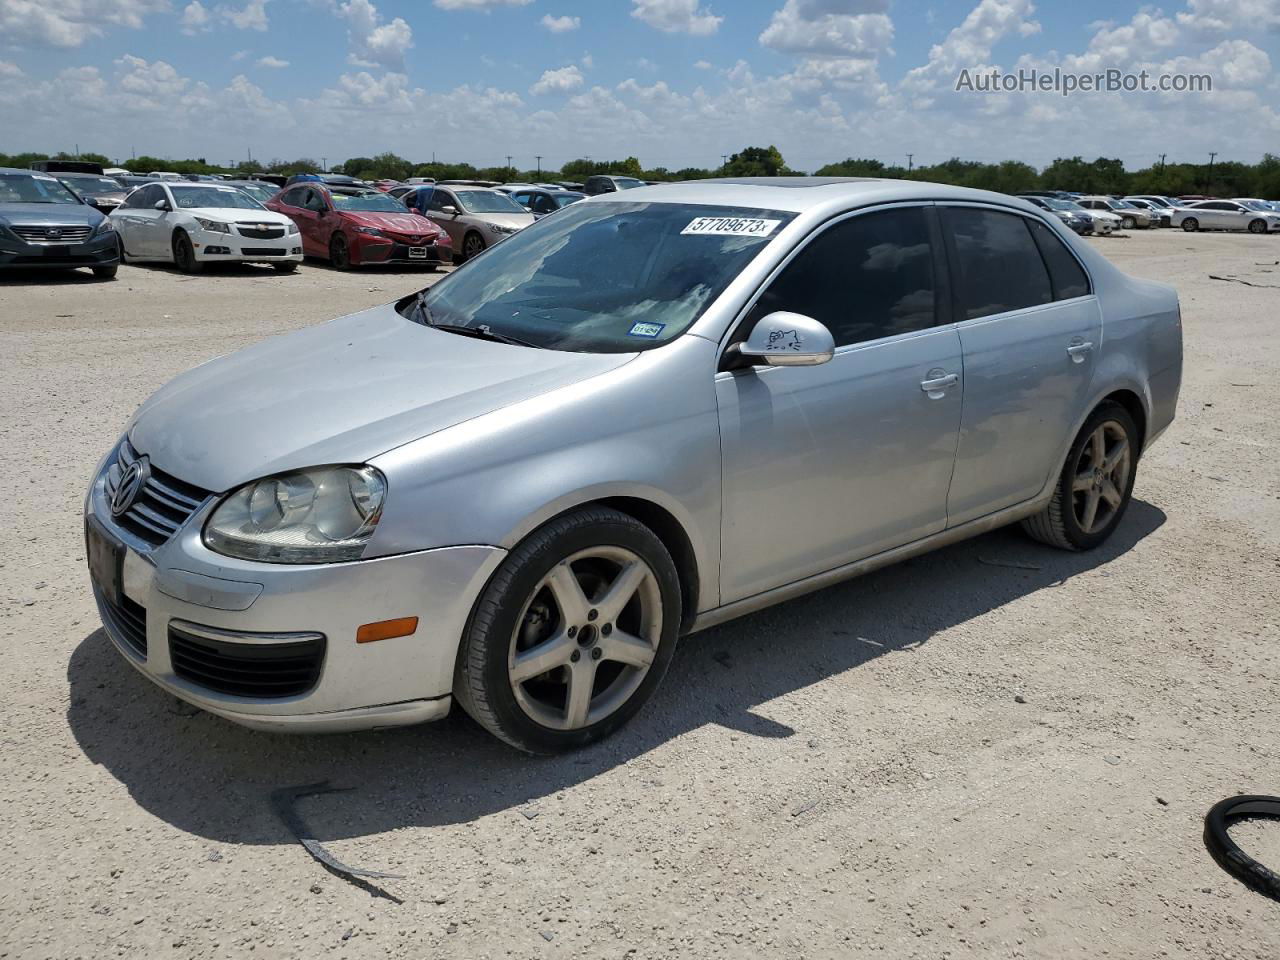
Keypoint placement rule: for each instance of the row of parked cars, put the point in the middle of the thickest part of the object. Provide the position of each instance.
(1102, 215)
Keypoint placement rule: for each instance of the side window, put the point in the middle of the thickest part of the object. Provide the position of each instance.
(1065, 273)
(292, 198)
(151, 195)
(998, 266)
(542, 203)
(868, 277)
(441, 199)
(134, 199)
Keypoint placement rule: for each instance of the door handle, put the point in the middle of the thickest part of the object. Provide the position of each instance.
(938, 382)
(1079, 351)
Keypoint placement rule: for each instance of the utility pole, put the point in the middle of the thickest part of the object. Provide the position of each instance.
(724, 160)
(910, 162)
(1209, 184)
(324, 164)
(1162, 156)
(538, 157)
(508, 161)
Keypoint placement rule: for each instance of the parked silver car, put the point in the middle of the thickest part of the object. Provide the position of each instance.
(1226, 215)
(650, 413)
(474, 217)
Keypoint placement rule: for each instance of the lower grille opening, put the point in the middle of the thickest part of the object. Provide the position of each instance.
(275, 667)
(125, 621)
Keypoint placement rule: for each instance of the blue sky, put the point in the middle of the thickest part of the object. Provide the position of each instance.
(675, 82)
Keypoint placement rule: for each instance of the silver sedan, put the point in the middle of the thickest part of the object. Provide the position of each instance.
(653, 412)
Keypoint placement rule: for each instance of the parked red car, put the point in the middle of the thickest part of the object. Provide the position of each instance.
(385, 185)
(353, 226)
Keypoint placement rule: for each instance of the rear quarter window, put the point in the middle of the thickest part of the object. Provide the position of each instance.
(1066, 276)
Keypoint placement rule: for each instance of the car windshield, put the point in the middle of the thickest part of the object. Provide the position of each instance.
(603, 277)
(566, 198)
(372, 201)
(1121, 205)
(626, 183)
(260, 192)
(488, 201)
(93, 186)
(191, 198)
(33, 188)
(1055, 204)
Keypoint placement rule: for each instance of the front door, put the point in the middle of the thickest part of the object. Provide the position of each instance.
(831, 463)
(1030, 327)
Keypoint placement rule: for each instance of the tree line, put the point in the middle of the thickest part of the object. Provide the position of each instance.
(1104, 176)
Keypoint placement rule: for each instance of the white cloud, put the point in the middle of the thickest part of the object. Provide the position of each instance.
(1217, 16)
(970, 44)
(195, 18)
(588, 61)
(479, 4)
(676, 16)
(8, 69)
(702, 65)
(252, 16)
(560, 24)
(274, 63)
(830, 28)
(1146, 34)
(374, 43)
(558, 81)
(158, 80)
(69, 23)
(240, 55)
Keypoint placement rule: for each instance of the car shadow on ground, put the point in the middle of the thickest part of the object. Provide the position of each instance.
(209, 777)
(382, 269)
(45, 276)
(215, 269)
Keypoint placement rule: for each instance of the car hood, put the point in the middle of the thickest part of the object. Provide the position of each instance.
(398, 222)
(39, 213)
(238, 215)
(340, 392)
(517, 221)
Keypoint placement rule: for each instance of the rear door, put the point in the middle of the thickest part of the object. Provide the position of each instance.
(831, 463)
(293, 204)
(1030, 328)
(151, 232)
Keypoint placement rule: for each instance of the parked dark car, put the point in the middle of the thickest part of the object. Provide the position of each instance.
(541, 202)
(132, 181)
(105, 193)
(67, 166)
(595, 186)
(1077, 220)
(44, 225)
(354, 226)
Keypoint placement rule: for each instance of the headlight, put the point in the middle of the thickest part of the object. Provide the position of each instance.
(371, 231)
(292, 228)
(321, 515)
(497, 228)
(106, 226)
(214, 226)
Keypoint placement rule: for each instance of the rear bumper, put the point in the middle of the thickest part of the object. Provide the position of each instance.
(99, 251)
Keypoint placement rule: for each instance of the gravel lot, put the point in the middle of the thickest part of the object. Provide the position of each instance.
(997, 750)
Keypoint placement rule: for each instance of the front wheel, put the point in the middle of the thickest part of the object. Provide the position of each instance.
(106, 273)
(1191, 224)
(1128, 223)
(339, 252)
(1257, 226)
(472, 246)
(573, 633)
(1095, 486)
(184, 254)
(287, 267)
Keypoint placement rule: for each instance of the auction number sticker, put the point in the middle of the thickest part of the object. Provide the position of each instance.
(650, 330)
(730, 227)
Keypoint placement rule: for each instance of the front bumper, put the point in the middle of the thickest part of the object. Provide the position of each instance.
(101, 250)
(171, 588)
(215, 247)
(369, 249)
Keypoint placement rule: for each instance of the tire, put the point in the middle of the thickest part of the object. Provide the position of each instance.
(1257, 226)
(107, 272)
(339, 252)
(288, 267)
(184, 255)
(1066, 522)
(551, 594)
(1128, 223)
(1228, 854)
(472, 246)
(1191, 224)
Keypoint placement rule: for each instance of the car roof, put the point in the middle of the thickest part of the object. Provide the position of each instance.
(800, 194)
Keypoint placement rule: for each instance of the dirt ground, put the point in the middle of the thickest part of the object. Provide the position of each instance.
(997, 750)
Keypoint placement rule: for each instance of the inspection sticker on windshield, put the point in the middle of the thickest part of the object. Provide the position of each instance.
(730, 227)
(649, 330)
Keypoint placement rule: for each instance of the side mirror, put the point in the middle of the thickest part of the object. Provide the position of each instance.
(161, 205)
(784, 339)
(450, 209)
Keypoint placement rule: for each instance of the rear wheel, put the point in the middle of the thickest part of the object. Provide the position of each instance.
(1191, 224)
(472, 246)
(1095, 486)
(339, 252)
(1257, 226)
(573, 633)
(184, 254)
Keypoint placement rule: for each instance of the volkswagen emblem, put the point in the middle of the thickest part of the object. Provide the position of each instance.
(131, 483)
(53, 233)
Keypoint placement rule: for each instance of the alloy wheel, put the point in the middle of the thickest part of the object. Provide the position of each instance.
(1101, 477)
(473, 246)
(586, 638)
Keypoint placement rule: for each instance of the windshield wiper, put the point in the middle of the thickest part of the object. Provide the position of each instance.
(481, 332)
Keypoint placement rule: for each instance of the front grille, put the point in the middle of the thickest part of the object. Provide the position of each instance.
(263, 251)
(257, 233)
(126, 622)
(164, 504)
(263, 670)
(51, 234)
(411, 239)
